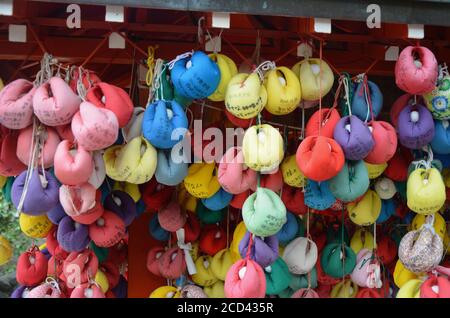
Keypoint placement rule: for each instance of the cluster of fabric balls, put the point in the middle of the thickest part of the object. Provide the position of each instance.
(352, 173)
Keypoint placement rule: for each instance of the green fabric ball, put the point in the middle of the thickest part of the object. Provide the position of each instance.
(301, 281)
(351, 182)
(343, 103)
(165, 90)
(301, 227)
(208, 216)
(6, 190)
(278, 277)
(331, 261)
(287, 293)
(264, 213)
(100, 252)
(334, 234)
(401, 189)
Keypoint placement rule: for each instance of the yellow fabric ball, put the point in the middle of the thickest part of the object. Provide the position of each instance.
(6, 251)
(227, 69)
(365, 211)
(216, 290)
(262, 147)
(425, 191)
(439, 224)
(130, 188)
(291, 173)
(402, 275)
(344, 289)
(35, 226)
(102, 281)
(165, 292)
(246, 96)
(204, 275)
(375, 170)
(134, 162)
(311, 72)
(361, 239)
(283, 91)
(221, 263)
(411, 289)
(201, 181)
(3, 180)
(238, 235)
(186, 200)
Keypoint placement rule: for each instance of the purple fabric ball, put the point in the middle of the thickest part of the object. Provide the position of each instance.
(355, 138)
(264, 249)
(18, 292)
(122, 204)
(56, 214)
(415, 126)
(121, 289)
(38, 200)
(72, 236)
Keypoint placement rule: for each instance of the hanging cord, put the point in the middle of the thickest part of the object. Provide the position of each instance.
(308, 235)
(443, 71)
(150, 65)
(427, 164)
(335, 102)
(343, 244)
(228, 227)
(46, 71)
(53, 283)
(200, 39)
(154, 94)
(37, 137)
(362, 78)
(302, 133)
(81, 89)
(171, 64)
(250, 246)
(215, 50)
(264, 67)
(345, 82)
(320, 86)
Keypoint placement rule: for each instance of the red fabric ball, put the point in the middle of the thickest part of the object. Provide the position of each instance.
(111, 272)
(108, 230)
(238, 199)
(31, 267)
(153, 256)
(156, 195)
(83, 263)
(294, 200)
(53, 246)
(172, 263)
(397, 169)
(104, 95)
(327, 118)
(243, 123)
(387, 250)
(319, 158)
(213, 238)
(191, 228)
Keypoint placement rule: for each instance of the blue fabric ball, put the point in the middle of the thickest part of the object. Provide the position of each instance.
(289, 230)
(164, 124)
(168, 171)
(387, 210)
(195, 77)
(360, 108)
(156, 231)
(318, 195)
(218, 201)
